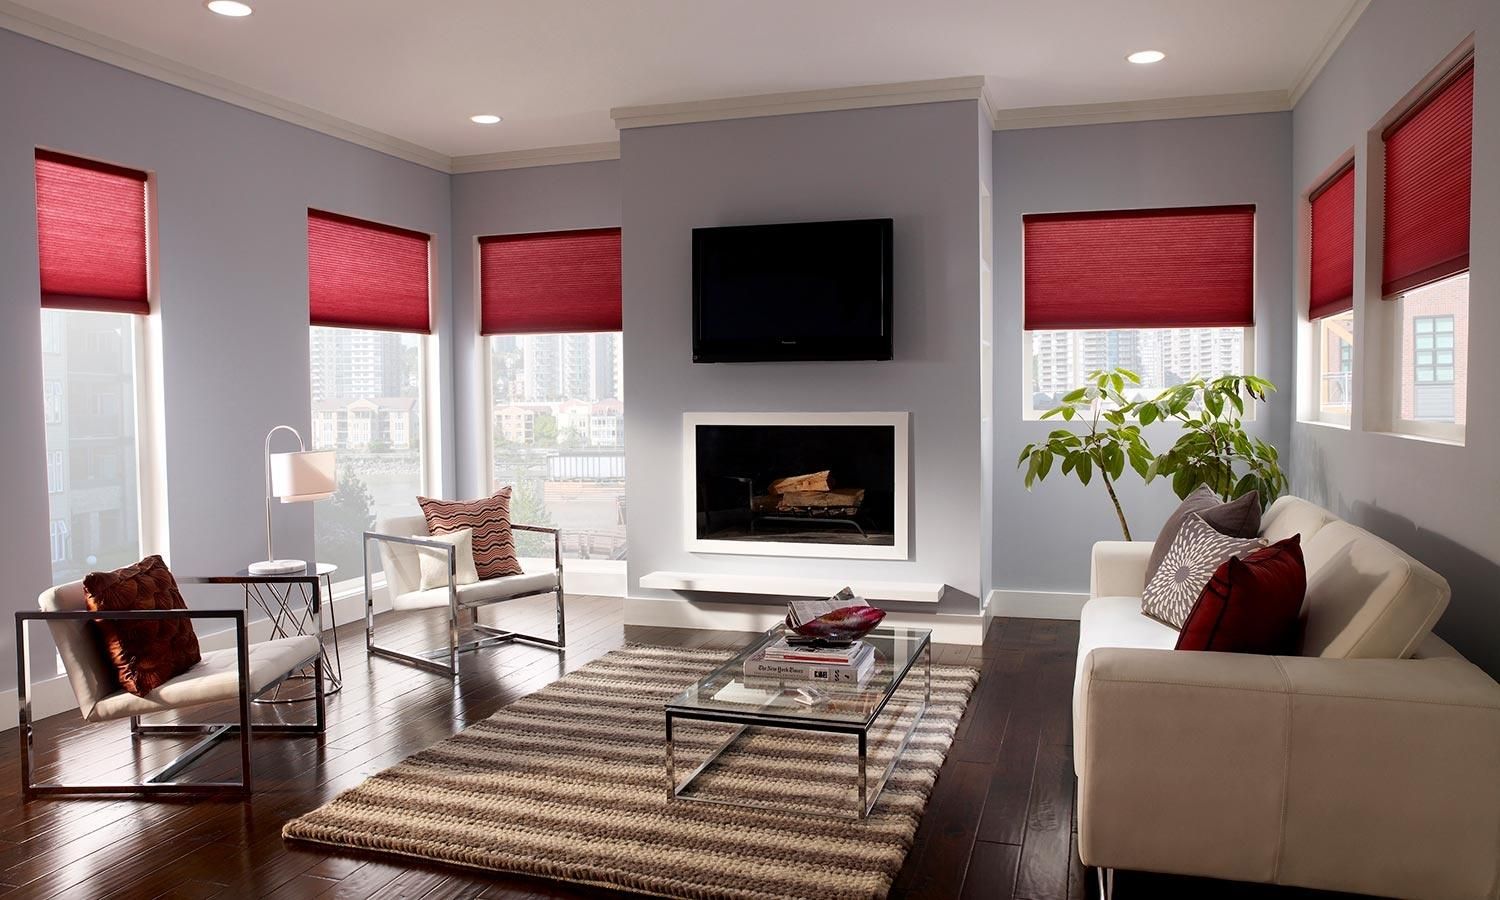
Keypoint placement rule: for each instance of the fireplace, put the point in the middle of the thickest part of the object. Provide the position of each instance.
(796, 484)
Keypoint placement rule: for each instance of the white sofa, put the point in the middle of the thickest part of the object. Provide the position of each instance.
(1370, 763)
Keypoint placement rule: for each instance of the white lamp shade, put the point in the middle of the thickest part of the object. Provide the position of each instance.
(304, 475)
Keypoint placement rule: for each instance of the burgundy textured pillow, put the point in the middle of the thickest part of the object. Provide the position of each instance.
(494, 547)
(145, 655)
(1251, 604)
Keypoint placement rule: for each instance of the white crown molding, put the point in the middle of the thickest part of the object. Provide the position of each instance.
(541, 156)
(1141, 110)
(1331, 44)
(58, 33)
(970, 87)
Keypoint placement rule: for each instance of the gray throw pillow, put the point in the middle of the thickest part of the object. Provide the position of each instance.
(1195, 555)
(1239, 517)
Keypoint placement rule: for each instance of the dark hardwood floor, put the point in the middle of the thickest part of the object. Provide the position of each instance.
(1000, 822)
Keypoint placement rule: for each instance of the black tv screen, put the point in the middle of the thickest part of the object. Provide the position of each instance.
(804, 291)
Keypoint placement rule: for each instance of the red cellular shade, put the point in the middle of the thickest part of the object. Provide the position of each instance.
(1331, 286)
(1428, 159)
(91, 235)
(1144, 268)
(366, 275)
(549, 283)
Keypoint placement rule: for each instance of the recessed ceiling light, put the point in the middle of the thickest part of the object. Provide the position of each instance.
(1146, 57)
(232, 8)
(485, 119)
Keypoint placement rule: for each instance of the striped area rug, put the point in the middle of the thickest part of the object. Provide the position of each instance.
(569, 783)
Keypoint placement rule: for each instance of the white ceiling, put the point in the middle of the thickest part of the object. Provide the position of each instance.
(417, 70)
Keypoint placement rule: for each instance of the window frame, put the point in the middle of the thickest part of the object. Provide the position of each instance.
(1030, 414)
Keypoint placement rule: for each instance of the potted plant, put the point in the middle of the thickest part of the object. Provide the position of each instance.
(1214, 449)
(1108, 443)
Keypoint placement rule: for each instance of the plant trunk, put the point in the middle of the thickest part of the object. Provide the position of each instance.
(1119, 512)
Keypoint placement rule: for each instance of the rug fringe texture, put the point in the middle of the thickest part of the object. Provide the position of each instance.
(569, 784)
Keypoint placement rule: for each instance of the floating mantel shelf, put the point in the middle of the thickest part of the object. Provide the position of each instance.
(787, 586)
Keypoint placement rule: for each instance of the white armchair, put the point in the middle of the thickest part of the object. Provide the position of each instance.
(400, 558)
(240, 674)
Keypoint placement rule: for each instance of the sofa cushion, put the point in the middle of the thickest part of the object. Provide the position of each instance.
(494, 548)
(148, 654)
(1239, 517)
(1196, 553)
(1251, 604)
(1117, 622)
(435, 564)
(1292, 515)
(1366, 598)
(479, 593)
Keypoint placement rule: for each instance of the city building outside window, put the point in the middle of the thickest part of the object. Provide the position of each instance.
(367, 389)
(1163, 357)
(91, 431)
(1335, 365)
(557, 428)
(1434, 352)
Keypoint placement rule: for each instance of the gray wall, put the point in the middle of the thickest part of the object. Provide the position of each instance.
(1042, 539)
(1437, 502)
(233, 188)
(514, 201)
(915, 164)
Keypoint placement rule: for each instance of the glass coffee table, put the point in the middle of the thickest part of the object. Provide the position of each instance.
(726, 696)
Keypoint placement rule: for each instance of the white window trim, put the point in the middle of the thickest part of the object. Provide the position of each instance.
(1030, 414)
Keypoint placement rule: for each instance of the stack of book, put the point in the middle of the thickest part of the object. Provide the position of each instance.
(824, 665)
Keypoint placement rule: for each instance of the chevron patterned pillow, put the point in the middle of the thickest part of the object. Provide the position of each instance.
(1196, 553)
(494, 548)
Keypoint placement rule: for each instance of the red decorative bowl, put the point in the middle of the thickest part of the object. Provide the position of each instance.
(847, 624)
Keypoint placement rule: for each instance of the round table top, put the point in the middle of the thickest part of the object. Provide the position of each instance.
(321, 570)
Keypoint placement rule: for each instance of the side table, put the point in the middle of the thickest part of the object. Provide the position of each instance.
(289, 617)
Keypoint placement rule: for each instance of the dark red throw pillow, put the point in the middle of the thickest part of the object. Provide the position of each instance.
(145, 655)
(1251, 605)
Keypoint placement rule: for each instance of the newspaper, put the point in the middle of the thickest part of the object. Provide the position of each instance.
(800, 612)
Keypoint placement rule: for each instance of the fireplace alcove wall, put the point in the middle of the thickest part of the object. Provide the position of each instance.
(730, 460)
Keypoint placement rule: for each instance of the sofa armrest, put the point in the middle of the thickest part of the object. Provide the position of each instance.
(1118, 568)
(1371, 776)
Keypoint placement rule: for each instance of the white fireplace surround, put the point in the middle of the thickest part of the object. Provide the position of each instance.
(898, 421)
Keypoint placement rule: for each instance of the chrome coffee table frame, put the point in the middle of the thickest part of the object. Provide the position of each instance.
(683, 707)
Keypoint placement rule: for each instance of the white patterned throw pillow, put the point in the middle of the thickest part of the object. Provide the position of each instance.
(1194, 557)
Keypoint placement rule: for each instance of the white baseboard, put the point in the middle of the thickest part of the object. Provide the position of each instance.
(53, 696)
(1035, 604)
(681, 613)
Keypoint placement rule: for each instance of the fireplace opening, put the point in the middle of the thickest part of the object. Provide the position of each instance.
(806, 484)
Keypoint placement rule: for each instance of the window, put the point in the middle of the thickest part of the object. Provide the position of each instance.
(94, 440)
(1330, 293)
(92, 256)
(1425, 264)
(54, 471)
(1167, 293)
(59, 542)
(551, 309)
(1335, 351)
(369, 304)
(1163, 357)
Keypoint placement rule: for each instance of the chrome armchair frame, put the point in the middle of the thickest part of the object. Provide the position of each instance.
(493, 637)
(163, 782)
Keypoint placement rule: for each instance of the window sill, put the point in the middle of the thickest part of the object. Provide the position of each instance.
(1423, 438)
(1324, 423)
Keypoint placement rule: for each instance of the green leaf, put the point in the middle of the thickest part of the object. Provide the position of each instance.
(1085, 469)
(1069, 413)
(1148, 413)
(1057, 411)
(1045, 465)
(1130, 376)
(1025, 452)
(1074, 396)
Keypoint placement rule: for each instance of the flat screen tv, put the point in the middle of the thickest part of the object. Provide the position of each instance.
(802, 291)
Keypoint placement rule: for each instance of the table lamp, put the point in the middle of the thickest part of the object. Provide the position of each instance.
(295, 477)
